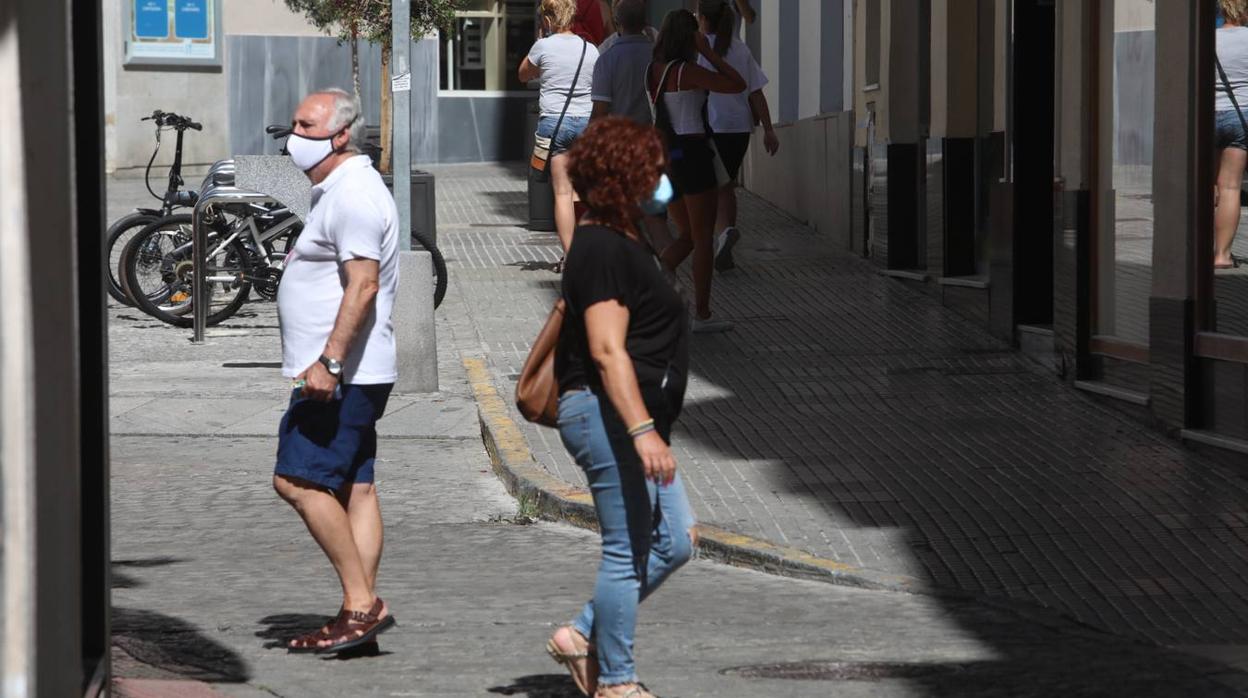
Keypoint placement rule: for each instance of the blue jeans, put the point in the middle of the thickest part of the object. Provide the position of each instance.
(1229, 131)
(571, 127)
(645, 530)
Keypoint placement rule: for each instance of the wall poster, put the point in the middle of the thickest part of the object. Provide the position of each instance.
(173, 32)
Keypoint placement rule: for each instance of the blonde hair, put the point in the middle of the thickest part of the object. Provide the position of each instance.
(1235, 11)
(561, 13)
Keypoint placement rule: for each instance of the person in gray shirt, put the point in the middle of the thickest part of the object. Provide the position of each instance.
(620, 73)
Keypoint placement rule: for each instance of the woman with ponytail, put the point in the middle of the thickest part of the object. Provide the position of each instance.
(732, 118)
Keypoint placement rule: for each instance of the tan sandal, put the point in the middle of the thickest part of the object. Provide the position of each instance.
(585, 675)
(637, 691)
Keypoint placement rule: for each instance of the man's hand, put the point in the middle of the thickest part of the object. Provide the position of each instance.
(318, 383)
(770, 141)
(656, 457)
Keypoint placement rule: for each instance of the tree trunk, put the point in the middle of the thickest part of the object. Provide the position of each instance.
(387, 119)
(355, 64)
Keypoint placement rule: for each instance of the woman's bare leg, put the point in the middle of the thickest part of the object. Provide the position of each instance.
(565, 210)
(701, 208)
(1231, 163)
(680, 248)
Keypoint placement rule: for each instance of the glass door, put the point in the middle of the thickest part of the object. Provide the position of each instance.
(1124, 197)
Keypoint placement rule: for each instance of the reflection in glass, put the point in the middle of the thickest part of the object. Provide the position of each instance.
(1230, 240)
(1125, 240)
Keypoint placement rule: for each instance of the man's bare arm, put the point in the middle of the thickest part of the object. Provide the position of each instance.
(363, 282)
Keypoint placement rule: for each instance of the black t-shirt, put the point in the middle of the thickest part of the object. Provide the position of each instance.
(602, 265)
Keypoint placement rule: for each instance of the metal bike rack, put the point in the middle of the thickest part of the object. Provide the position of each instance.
(289, 190)
(199, 243)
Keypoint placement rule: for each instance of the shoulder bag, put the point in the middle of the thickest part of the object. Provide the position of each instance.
(541, 146)
(537, 392)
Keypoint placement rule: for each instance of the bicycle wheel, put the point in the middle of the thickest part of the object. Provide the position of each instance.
(439, 267)
(118, 234)
(158, 266)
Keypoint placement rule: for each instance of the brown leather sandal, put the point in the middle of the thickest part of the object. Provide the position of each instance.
(354, 628)
(310, 642)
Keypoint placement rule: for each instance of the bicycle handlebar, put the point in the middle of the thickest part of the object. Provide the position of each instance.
(172, 120)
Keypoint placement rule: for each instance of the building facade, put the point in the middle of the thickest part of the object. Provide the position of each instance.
(467, 104)
(1044, 168)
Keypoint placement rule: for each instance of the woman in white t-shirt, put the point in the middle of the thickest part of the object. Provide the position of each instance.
(564, 62)
(732, 118)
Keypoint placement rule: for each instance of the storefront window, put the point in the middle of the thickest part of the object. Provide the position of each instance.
(1125, 198)
(1230, 238)
(484, 49)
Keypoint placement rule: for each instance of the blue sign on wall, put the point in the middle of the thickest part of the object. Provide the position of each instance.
(151, 19)
(191, 19)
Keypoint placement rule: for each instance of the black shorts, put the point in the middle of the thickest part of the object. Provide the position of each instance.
(732, 147)
(692, 165)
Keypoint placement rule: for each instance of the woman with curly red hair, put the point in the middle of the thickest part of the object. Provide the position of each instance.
(621, 364)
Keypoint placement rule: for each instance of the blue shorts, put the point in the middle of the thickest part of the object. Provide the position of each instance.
(571, 127)
(1229, 131)
(332, 443)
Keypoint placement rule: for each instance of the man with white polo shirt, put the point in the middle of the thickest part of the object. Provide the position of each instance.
(334, 305)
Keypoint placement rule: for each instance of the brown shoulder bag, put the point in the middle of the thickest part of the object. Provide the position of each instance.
(537, 392)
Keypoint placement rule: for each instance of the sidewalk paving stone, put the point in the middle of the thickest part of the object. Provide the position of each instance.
(211, 572)
(852, 416)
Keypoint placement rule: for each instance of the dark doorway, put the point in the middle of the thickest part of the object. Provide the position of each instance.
(1033, 94)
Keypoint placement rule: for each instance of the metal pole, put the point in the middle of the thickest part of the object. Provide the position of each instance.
(401, 121)
(199, 289)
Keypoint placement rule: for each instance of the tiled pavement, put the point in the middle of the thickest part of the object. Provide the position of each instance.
(854, 417)
(211, 571)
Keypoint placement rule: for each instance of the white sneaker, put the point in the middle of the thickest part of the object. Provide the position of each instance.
(724, 243)
(710, 324)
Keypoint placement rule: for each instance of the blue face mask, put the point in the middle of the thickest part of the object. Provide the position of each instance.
(661, 197)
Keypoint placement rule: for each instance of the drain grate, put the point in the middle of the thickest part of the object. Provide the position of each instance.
(842, 671)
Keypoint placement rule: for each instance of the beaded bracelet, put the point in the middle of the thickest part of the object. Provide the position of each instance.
(641, 428)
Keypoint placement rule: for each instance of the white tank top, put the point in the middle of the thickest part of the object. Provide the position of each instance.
(685, 108)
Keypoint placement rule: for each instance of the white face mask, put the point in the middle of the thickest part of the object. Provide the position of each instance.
(309, 152)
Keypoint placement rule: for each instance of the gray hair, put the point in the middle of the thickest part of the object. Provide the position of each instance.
(347, 114)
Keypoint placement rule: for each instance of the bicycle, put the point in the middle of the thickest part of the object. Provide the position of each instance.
(247, 248)
(243, 253)
(123, 229)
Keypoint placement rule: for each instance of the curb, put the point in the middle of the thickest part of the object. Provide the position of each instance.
(555, 499)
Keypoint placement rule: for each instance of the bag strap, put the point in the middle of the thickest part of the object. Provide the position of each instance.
(658, 110)
(575, 78)
(1243, 123)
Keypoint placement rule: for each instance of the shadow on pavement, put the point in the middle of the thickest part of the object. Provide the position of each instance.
(121, 580)
(533, 265)
(172, 645)
(540, 686)
(281, 627)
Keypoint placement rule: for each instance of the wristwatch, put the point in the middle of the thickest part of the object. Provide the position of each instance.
(334, 366)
